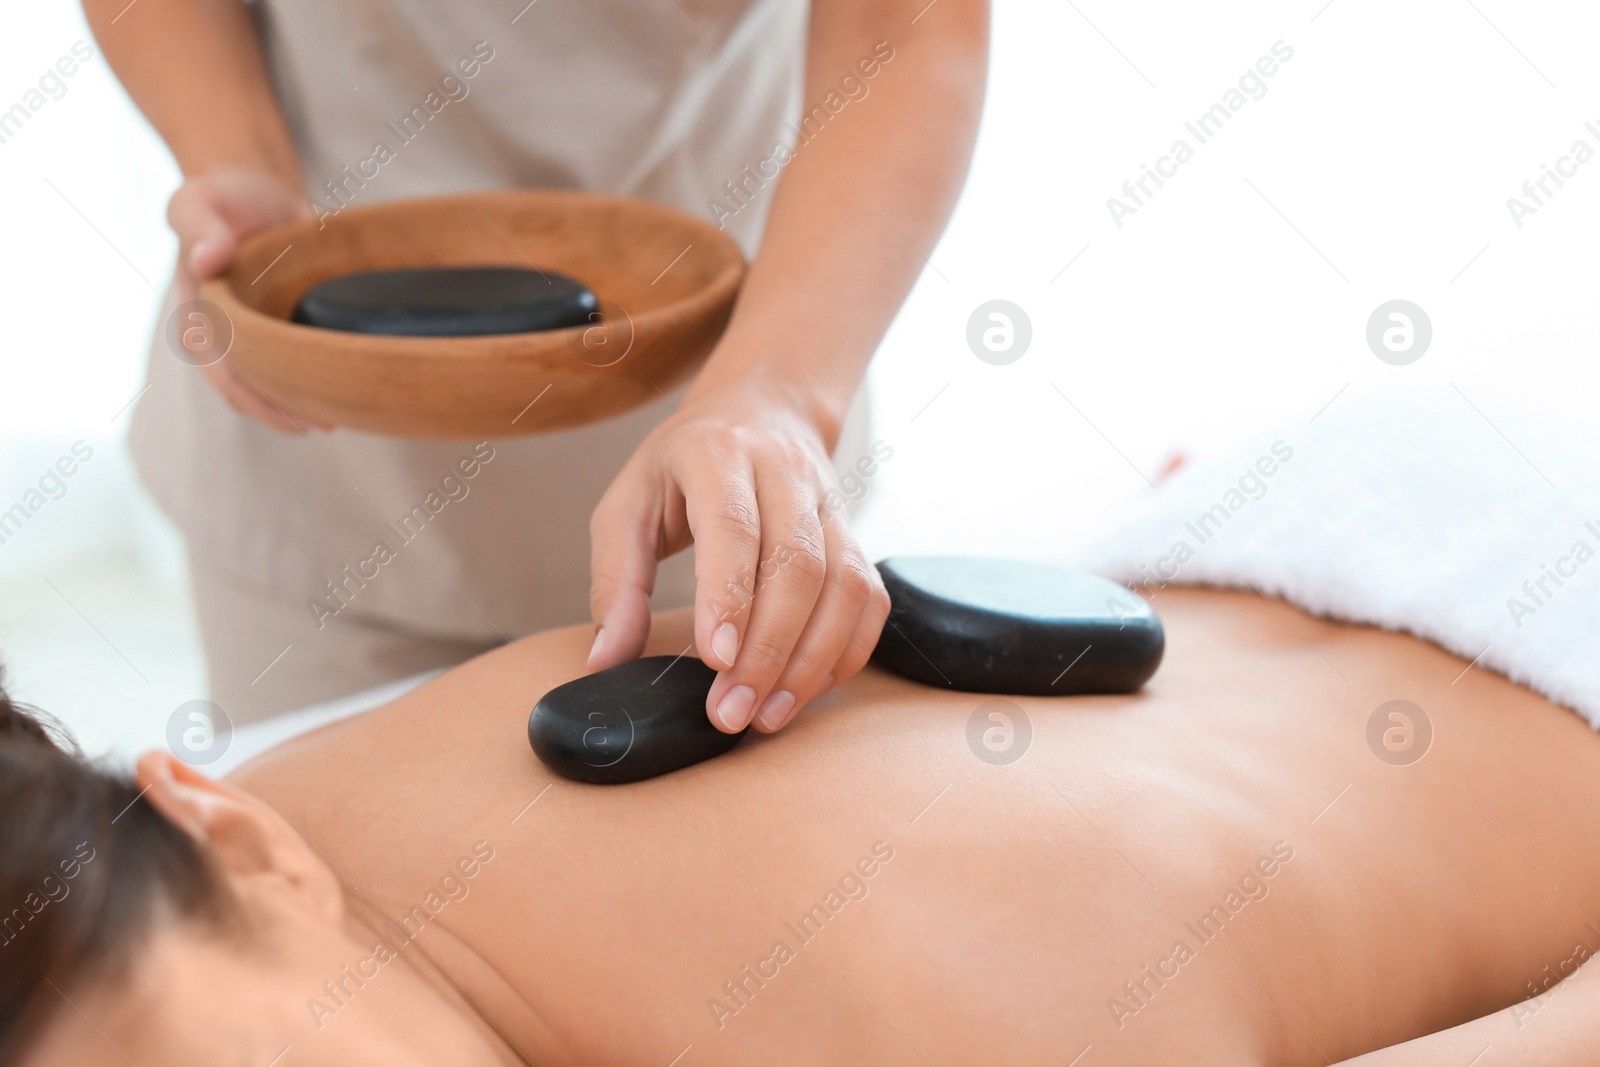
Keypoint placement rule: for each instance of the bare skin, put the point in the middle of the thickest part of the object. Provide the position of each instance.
(1007, 904)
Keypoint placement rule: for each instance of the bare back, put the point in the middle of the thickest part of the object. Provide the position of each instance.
(1221, 868)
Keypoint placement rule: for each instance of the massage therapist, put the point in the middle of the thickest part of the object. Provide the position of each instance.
(307, 583)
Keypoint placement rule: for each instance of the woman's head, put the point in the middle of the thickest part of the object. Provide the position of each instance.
(165, 917)
(85, 874)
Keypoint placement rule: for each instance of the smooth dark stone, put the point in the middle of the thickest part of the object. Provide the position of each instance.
(630, 722)
(1003, 626)
(447, 302)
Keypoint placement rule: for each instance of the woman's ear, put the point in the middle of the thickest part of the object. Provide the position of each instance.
(254, 847)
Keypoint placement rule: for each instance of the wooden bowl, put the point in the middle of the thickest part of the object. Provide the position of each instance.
(665, 282)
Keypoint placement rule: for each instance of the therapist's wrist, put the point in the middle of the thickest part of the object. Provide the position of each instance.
(206, 161)
(771, 370)
(764, 393)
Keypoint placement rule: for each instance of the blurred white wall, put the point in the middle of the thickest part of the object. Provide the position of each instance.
(1376, 166)
(93, 612)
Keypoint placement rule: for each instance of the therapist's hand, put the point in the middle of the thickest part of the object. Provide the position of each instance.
(786, 604)
(211, 213)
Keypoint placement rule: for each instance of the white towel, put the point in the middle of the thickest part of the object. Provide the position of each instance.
(1438, 511)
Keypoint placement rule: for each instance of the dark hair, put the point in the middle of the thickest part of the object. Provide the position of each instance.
(86, 869)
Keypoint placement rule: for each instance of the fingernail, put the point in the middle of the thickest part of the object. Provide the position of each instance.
(775, 709)
(735, 707)
(599, 643)
(725, 643)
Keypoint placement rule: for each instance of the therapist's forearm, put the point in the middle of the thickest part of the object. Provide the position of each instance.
(859, 206)
(196, 70)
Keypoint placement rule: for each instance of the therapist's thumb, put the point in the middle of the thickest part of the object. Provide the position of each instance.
(206, 243)
(623, 564)
(211, 213)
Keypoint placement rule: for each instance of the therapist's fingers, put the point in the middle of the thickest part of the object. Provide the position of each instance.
(840, 635)
(626, 536)
(210, 214)
(725, 522)
(206, 244)
(788, 583)
(249, 401)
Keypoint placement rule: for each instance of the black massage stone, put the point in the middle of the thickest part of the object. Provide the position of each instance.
(447, 302)
(1003, 626)
(630, 722)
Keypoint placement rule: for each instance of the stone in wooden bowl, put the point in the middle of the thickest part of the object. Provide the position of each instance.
(665, 282)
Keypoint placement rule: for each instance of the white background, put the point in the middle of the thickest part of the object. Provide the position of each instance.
(1377, 166)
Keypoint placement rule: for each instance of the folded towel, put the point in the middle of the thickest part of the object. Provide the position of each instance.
(1453, 516)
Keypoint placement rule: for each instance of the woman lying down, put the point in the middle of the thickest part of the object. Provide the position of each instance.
(1218, 870)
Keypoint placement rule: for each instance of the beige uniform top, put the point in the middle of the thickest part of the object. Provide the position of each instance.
(661, 99)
